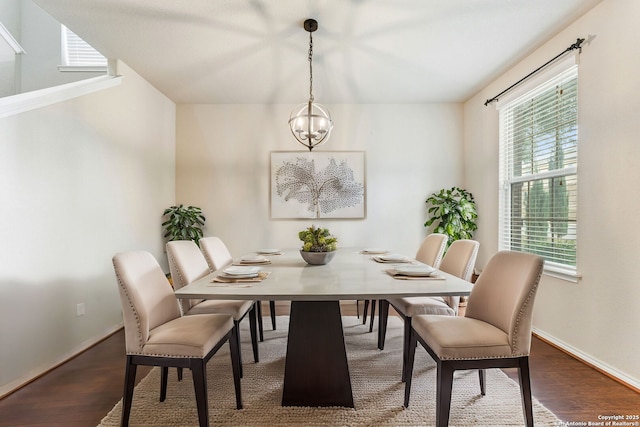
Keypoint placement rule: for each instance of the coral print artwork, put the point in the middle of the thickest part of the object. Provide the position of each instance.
(317, 185)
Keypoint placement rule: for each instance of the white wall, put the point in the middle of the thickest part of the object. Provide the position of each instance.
(8, 65)
(9, 61)
(223, 155)
(597, 318)
(79, 181)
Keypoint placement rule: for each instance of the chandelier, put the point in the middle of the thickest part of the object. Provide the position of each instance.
(310, 123)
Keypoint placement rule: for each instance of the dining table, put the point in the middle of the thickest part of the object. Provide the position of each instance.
(316, 368)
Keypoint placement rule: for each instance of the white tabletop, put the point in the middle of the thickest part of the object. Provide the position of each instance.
(350, 275)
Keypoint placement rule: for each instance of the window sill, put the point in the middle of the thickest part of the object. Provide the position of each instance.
(562, 274)
(82, 69)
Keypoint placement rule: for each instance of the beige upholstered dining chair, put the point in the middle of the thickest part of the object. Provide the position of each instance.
(459, 261)
(494, 333)
(432, 249)
(187, 264)
(430, 252)
(215, 252)
(157, 335)
(218, 256)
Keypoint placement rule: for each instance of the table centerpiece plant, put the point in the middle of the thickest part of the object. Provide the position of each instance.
(318, 246)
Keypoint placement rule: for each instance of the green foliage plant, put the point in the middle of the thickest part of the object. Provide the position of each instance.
(183, 223)
(452, 212)
(317, 240)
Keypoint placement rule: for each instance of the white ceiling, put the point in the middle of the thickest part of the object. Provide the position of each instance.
(365, 51)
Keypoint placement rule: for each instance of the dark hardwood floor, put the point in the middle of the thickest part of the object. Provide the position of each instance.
(81, 391)
(575, 391)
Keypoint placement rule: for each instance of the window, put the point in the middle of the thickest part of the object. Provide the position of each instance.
(538, 173)
(78, 55)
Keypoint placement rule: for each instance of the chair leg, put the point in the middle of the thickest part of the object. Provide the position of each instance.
(179, 374)
(443, 393)
(364, 313)
(482, 374)
(236, 336)
(358, 308)
(258, 306)
(525, 390)
(253, 329)
(382, 322)
(272, 310)
(127, 395)
(164, 379)
(373, 314)
(236, 367)
(406, 346)
(408, 372)
(199, 373)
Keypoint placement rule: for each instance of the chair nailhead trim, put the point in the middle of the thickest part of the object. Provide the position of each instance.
(514, 340)
(185, 304)
(171, 356)
(133, 309)
(511, 356)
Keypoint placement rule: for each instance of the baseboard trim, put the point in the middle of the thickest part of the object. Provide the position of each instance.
(34, 374)
(604, 369)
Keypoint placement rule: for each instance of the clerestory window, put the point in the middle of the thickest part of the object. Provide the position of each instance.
(78, 55)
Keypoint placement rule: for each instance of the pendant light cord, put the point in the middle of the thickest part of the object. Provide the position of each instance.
(310, 67)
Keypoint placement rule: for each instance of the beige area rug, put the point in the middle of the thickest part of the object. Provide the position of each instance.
(377, 389)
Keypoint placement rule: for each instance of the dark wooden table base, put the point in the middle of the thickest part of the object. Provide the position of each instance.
(316, 369)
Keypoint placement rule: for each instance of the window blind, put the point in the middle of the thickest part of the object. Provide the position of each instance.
(78, 53)
(538, 172)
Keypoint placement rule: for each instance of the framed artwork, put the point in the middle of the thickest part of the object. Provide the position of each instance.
(321, 184)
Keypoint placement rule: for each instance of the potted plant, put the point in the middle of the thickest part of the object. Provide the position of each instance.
(318, 245)
(452, 212)
(183, 223)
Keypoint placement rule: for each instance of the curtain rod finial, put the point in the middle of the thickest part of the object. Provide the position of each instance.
(577, 45)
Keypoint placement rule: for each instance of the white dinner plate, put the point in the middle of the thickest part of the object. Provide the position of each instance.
(392, 257)
(253, 258)
(238, 270)
(268, 251)
(415, 270)
(374, 251)
(238, 276)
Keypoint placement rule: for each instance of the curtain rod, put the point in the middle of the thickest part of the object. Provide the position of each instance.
(574, 46)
